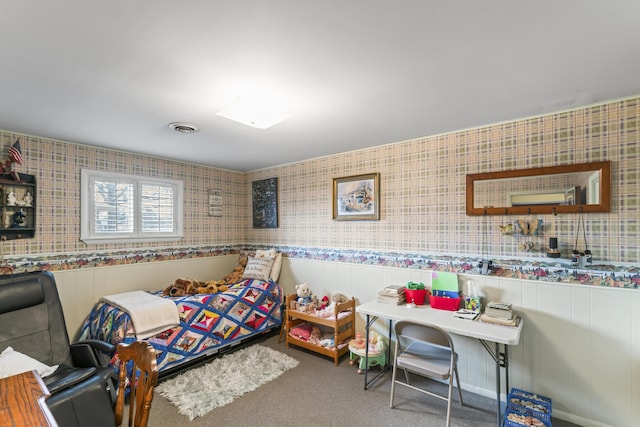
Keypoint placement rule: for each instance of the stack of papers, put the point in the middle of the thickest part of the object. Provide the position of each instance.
(514, 321)
(392, 294)
(499, 309)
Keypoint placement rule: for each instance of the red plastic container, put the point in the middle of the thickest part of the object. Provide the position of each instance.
(416, 296)
(442, 303)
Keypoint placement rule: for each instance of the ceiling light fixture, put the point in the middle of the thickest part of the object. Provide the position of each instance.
(184, 127)
(259, 113)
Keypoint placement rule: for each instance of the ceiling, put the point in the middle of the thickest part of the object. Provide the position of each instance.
(352, 74)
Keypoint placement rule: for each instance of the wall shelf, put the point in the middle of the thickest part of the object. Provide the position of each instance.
(18, 207)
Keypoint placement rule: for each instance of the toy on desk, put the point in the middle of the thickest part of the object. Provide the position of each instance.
(377, 354)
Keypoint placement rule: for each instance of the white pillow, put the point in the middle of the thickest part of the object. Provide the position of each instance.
(14, 363)
(258, 268)
(277, 265)
(277, 262)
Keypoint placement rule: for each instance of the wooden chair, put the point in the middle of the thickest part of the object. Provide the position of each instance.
(142, 378)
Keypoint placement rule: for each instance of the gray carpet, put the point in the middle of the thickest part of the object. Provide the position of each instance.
(317, 393)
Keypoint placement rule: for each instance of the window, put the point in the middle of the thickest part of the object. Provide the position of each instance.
(127, 208)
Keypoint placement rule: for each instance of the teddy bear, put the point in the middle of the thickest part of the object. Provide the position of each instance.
(304, 293)
(212, 287)
(181, 287)
(236, 274)
(306, 301)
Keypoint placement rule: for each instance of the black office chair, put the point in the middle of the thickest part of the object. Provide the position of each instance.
(425, 350)
(83, 387)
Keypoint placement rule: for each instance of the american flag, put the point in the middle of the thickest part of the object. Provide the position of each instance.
(15, 153)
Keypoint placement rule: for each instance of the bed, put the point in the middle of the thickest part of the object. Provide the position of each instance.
(208, 323)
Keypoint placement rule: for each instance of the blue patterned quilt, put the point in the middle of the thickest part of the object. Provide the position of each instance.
(208, 322)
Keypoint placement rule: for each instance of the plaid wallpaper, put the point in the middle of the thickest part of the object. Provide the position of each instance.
(422, 191)
(57, 167)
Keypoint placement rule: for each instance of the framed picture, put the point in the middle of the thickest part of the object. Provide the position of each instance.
(265, 203)
(356, 197)
(215, 203)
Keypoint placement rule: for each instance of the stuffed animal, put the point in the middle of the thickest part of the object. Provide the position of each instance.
(316, 335)
(236, 274)
(212, 287)
(181, 287)
(217, 286)
(339, 298)
(304, 293)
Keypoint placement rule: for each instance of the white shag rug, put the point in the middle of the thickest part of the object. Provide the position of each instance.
(198, 391)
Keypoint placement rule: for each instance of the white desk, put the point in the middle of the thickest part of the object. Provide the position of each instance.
(485, 332)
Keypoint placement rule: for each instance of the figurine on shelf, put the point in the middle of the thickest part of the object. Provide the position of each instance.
(27, 200)
(11, 199)
(19, 219)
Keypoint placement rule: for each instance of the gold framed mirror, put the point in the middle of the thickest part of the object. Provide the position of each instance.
(583, 187)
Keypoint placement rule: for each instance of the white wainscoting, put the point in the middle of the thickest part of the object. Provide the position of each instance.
(580, 344)
(80, 289)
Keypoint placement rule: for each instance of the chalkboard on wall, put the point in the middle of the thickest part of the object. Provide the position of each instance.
(265, 203)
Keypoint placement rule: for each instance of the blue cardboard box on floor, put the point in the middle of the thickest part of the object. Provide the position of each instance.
(522, 406)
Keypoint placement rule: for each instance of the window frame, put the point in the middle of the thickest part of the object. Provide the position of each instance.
(88, 233)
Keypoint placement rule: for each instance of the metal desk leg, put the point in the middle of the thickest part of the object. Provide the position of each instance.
(366, 347)
(498, 386)
(370, 321)
(505, 363)
(502, 361)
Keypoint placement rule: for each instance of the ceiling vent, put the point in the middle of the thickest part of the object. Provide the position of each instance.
(184, 127)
